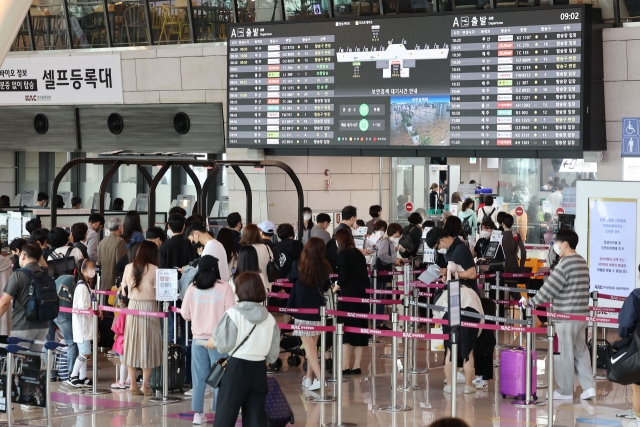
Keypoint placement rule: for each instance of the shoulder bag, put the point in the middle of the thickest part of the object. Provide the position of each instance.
(406, 241)
(215, 375)
(272, 267)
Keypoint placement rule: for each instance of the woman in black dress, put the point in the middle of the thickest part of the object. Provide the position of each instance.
(352, 282)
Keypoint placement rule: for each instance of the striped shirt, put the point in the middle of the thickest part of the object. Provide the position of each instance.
(568, 285)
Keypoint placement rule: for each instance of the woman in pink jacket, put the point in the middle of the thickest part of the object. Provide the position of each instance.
(205, 302)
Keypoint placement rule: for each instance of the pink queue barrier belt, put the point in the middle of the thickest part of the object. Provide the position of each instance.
(78, 311)
(358, 315)
(293, 310)
(399, 334)
(435, 321)
(110, 293)
(562, 316)
(370, 300)
(426, 294)
(175, 310)
(511, 303)
(281, 295)
(290, 327)
(523, 275)
(384, 291)
(503, 328)
(486, 276)
(611, 297)
(283, 284)
(420, 284)
(158, 314)
(605, 310)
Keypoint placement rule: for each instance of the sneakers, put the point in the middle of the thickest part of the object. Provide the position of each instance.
(306, 382)
(481, 384)
(79, 383)
(558, 396)
(199, 418)
(468, 389)
(71, 381)
(588, 394)
(460, 377)
(447, 389)
(207, 390)
(315, 385)
(631, 423)
(119, 385)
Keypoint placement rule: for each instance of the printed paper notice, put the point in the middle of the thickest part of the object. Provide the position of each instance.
(612, 245)
(166, 284)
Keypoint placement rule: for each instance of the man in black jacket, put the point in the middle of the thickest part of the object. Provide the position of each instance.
(234, 220)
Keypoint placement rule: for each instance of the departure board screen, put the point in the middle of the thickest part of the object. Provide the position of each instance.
(490, 80)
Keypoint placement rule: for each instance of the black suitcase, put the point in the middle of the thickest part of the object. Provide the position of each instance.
(106, 337)
(176, 371)
(187, 364)
(279, 413)
(603, 354)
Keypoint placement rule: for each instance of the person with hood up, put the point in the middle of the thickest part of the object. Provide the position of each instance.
(250, 335)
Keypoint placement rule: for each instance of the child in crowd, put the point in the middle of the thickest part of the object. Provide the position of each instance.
(485, 346)
(118, 345)
(82, 323)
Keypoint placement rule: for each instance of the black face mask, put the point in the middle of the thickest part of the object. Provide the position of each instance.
(196, 245)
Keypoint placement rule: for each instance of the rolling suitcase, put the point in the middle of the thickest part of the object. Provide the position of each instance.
(512, 373)
(176, 371)
(603, 354)
(279, 412)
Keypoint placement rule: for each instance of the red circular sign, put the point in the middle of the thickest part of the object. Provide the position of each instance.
(560, 211)
(408, 207)
(519, 211)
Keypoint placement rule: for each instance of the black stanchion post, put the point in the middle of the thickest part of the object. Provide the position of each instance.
(175, 323)
(95, 391)
(394, 371)
(165, 360)
(48, 390)
(339, 333)
(335, 348)
(7, 399)
(323, 349)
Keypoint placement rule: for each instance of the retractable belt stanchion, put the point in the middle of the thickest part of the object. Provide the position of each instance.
(550, 335)
(339, 333)
(334, 349)
(529, 402)
(405, 358)
(394, 371)
(50, 346)
(165, 360)
(95, 391)
(175, 323)
(487, 290)
(323, 349)
(414, 353)
(7, 399)
(594, 335)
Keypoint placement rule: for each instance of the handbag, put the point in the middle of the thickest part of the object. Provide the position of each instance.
(623, 367)
(382, 266)
(215, 375)
(272, 268)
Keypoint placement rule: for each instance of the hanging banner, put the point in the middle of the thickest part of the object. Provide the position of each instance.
(612, 245)
(61, 80)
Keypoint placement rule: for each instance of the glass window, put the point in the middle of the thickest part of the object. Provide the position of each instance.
(409, 183)
(170, 21)
(210, 19)
(303, 9)
(49, 24)
(128, 22)
(22, 41)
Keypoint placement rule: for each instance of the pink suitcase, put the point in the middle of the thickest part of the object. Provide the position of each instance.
(512, 374)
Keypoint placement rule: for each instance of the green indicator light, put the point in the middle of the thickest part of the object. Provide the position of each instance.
(364, 110)
(363, 125)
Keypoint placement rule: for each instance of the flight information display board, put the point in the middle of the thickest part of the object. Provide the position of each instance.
(483, 81)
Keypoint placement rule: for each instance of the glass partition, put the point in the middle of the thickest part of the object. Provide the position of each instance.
(305, 9)
(49, 24)
(210, 19)
(128, 23)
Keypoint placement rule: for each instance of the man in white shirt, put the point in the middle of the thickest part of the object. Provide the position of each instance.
(198, 234)
(555, 199)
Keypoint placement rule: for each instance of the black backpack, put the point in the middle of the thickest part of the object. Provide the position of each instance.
(42, 302)
(466, 227)
(62, 264)
(406, 241)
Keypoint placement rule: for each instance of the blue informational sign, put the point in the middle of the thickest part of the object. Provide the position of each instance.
(630, 137)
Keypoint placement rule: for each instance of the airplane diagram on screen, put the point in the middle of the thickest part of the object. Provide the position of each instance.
(396, 60)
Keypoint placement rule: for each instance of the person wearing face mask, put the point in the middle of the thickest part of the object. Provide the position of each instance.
(306, 218)
(455, 251)
(486, 229)
(234, 220)
(349, 218)
(568, 285)
(319, 229)
(376, 215)
(387, 258)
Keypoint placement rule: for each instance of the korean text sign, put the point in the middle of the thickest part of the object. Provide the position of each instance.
(612, 245)
(166, 284)
(61, 80)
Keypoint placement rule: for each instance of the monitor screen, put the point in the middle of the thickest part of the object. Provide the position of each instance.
(489, 80)
(492, 250)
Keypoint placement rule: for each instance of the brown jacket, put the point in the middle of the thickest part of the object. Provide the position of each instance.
(510, 247)
(110, 250)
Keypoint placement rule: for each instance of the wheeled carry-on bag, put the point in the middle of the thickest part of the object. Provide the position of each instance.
(513, 368)
(176, 371)
(279, 412)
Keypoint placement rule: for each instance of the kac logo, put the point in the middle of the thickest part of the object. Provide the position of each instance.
(30, 97)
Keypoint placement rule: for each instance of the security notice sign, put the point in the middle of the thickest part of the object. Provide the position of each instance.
(612, 245)
(166, 284)
(61, 80)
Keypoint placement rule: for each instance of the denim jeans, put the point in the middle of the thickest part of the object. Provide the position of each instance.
(64, 325)
(202, 359)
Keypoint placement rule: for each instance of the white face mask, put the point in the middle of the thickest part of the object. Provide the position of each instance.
(557, 249)
(90, 274)
(306, 217)
(485, 234)
(394, 240)
(442, 251)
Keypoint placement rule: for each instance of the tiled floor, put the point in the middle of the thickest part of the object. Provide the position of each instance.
(362, 395)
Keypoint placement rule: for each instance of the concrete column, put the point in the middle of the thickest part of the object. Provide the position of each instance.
(12, 13)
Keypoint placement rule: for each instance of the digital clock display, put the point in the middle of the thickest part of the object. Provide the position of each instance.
(488, 80)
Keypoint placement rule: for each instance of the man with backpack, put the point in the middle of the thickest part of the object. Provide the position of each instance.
(32, 272)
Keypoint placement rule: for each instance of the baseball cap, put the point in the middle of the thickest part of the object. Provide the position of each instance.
(267, 227)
